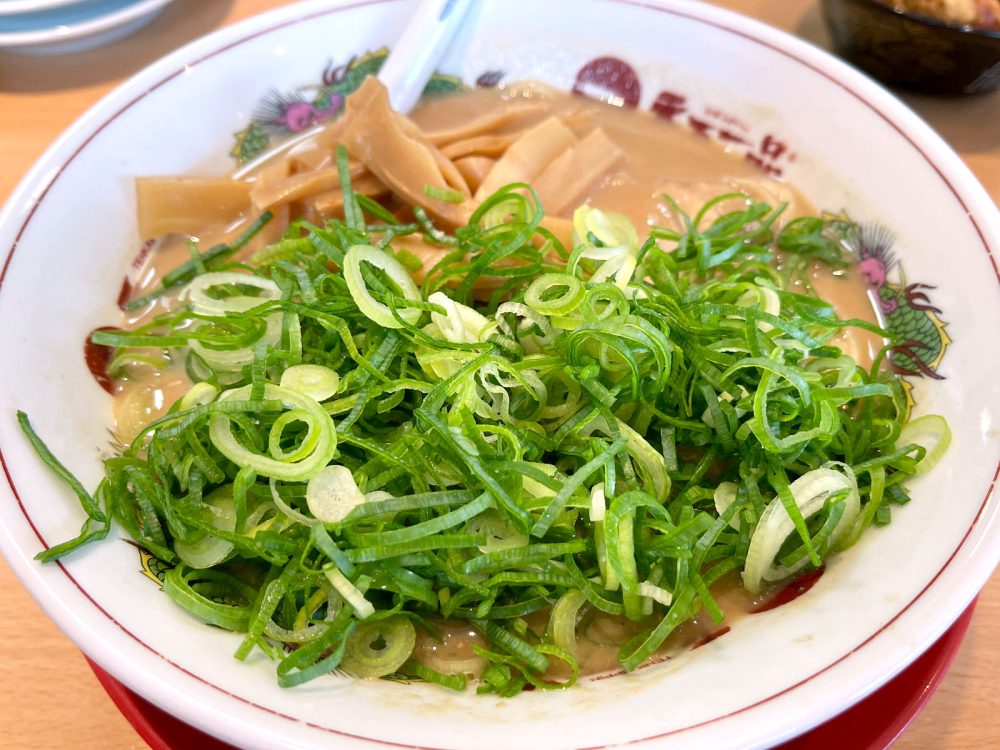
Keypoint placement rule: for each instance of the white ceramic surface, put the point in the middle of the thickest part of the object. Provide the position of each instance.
(68, 234)
(12, 7)
(55, 30)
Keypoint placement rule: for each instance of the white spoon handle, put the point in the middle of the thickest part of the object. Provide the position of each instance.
(406, 71)
(419, 50)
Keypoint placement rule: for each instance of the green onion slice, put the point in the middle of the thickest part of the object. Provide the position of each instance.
(317, 382)
(319, 424)
(810, 492)
(380, 313)
(379, 647)
(212, 550)
(930, 432)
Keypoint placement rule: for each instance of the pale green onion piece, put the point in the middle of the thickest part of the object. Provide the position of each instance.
(305, 446)
(443, 194)
(211, 550)
(198, 395)
(221, 433)
(621, 267)
(379, 647)
(555, 294)
(234, 360)
(461, 324)
(931, 432)
(471, 666)
(505, 211)
(440, 365)
(202, 303)
(564, 618)
(231, 360)
(397, 273)
(362, 607)
(315, 381)
(655, 593)
(332, 494)
(724, 496)
(565, 322)
(496, 383)
(532, 319)
(614, 232)
(607, 237)
(598, 504)
(535, 488)
(300, 635)
(287, 509)
(645, 603)
(182, 585)
(766, 299)
(650, 461)
(809, 492)
(499, 534)
(609, 578)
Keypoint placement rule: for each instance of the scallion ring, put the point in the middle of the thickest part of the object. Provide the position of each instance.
(379, 647)
(315, 381)
(397, 274)
(809, 492)
(554, 294)
(307, 409)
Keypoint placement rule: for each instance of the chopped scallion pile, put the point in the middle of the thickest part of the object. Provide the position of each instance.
(532, 432)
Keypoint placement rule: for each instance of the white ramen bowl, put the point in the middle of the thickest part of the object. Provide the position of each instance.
(68, 234)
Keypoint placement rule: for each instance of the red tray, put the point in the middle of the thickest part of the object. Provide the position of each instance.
(872, 724)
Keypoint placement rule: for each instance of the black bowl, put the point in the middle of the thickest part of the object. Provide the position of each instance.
(914, 52)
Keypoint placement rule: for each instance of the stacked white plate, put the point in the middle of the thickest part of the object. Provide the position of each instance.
(63, 26)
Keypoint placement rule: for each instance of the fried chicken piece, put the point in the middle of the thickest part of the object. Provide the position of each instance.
(979, 13)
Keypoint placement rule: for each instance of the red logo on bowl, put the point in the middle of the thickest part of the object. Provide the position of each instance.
(609, 79)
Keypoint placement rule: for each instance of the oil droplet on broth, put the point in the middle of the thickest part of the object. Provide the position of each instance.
(847, 291)
(140, 401)
(450, 651)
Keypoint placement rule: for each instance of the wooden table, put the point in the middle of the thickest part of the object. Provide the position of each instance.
(48, 696)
